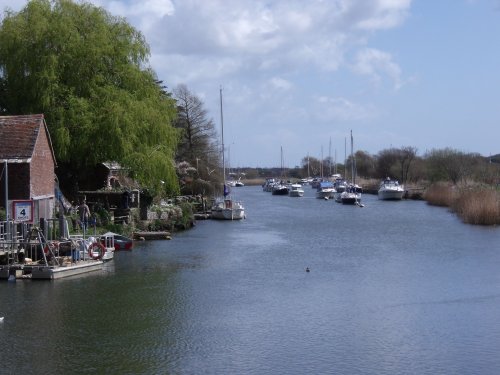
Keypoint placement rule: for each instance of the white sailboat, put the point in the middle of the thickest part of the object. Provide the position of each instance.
(225, 208)
(352, 193)
(280, 187)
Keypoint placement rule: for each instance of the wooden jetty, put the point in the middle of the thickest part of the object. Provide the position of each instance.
(146, 236)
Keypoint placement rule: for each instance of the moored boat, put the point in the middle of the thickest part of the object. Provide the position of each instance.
(225, 208)
(32, 256)
(351, 195)
(352, 192)
(279, 188)
(390, 190)
(296, 190)
(325, 190)
(340, 186)
(268, 184)
(121, 242)
(228, 209)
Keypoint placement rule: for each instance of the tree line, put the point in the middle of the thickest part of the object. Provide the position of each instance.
(406, 165)
(88, 72)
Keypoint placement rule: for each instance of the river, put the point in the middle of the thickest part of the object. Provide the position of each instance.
(393, 288)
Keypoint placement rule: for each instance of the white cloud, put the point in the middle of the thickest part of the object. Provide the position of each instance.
(241, 36)
(138, 8)
(341, 109)
(375, 64)
(382, 14)
(266, 35)
(272, 57)
(280, 83)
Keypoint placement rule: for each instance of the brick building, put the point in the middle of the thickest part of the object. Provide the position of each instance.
(26, 153)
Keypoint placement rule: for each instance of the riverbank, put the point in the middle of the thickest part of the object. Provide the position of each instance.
(477, 205)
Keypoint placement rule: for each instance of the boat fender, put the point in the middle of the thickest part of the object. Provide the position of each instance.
(101, 249)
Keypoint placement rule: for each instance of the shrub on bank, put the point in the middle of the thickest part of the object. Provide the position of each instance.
(477, 205)
(440, 195)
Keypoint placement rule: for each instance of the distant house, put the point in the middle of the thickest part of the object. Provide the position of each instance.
(26, 153)
(111, 187)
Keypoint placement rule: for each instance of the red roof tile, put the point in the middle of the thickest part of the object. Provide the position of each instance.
(18, 135)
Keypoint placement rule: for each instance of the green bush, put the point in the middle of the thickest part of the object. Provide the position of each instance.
(185, 220)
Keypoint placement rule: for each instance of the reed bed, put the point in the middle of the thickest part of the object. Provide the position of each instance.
(478, 206)
(440, 195)
(474, 205)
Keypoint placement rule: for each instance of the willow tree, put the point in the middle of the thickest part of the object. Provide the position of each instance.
(87, 71)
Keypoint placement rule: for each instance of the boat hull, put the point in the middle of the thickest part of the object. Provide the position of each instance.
(390, 190)
(325, 194)
(4, 272)
(296, 190)
(58, 272)
(350, 198)
(391, 195)
(283, 190)
(228, 214)
(228, 209)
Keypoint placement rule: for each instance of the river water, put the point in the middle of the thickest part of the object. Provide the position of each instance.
(393, 288)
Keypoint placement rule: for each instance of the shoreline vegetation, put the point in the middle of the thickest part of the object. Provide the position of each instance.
(478, 205)
(473, 204)
(176, 147)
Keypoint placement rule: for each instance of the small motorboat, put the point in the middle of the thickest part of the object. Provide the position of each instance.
(121, 243)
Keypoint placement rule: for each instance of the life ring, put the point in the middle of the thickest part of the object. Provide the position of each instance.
(97, 250)
(54, 245)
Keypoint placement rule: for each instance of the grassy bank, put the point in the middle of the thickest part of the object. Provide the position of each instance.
(474, 205)
(254, 181)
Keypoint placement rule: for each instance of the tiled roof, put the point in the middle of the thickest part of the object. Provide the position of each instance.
(18, 135)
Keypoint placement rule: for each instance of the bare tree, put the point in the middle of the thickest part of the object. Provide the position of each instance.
(386, 160)
(198, 144)
(365, 164)
(406, 156)
(449, 164)
(396, 162)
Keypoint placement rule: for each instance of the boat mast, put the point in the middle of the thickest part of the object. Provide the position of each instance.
(330, 157)
(222, 138)
(353, 177)
(282, 167)
(6, 171)
(335, 168)
(345, 157)
(321, 163)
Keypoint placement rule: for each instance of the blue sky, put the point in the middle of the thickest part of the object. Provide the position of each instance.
(296, 73)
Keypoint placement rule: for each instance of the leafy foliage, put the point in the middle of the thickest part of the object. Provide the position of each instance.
(87, 71)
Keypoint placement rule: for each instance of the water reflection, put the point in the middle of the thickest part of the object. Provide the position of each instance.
(398, 288)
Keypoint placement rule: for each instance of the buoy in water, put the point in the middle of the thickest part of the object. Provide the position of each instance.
(307, 269)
